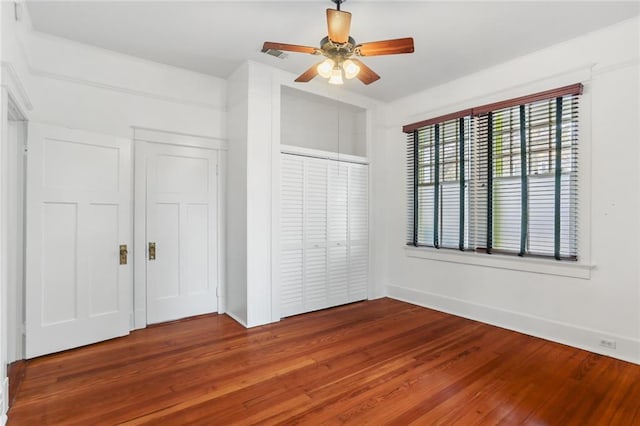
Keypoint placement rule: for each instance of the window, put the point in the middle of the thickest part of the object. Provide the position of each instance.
(500, 178)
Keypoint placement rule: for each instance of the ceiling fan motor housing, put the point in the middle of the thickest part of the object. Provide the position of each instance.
(337, 52)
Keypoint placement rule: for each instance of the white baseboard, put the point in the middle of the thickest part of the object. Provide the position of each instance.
(627, 349)
(236, 318)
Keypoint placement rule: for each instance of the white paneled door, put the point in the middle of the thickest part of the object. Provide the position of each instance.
(181, 230)
(78, 216)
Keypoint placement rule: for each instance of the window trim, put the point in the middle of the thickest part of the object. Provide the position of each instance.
(538, 265)
(572, 89)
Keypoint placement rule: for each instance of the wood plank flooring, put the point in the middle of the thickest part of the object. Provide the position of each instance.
(375, 362)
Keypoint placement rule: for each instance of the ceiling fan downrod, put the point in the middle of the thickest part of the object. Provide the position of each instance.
(338, 3)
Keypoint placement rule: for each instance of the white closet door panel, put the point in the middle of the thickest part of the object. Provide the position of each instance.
(315, 206)
(358, 203)
(292, 202)
(358, 272)
(291, 289)
(315, 278)
(291, 234)
(338, 202)
(324, 233)
(338, 275)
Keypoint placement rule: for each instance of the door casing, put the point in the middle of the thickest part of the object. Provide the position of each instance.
(15, 235)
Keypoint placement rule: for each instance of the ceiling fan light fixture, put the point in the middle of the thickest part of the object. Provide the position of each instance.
(336, 76)
(351, 69)
(325, 68)
(341, 51)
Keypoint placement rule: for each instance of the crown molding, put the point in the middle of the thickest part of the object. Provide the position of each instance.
(11, 81)
(124, 90)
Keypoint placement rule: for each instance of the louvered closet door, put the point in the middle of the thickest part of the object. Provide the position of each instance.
(358, 231)
(337, 232)
(315, 235)
(291, 234)
(324, 233)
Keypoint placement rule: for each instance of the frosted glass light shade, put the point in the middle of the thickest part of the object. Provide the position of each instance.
(325, 68)
(351, 69)
(336, 76)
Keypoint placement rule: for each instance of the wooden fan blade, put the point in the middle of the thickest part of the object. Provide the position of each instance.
(366, 74)
(288, 47)
(308, 74)
(386, 47)
(338, 24)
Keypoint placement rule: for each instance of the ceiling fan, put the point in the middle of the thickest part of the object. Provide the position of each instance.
(340, 50)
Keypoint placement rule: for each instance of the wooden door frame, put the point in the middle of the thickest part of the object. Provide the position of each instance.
(153, 136)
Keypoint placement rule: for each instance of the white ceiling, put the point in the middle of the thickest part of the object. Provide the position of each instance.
(452, 38)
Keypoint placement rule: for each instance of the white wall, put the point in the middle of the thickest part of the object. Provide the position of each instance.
(83, 87)
(63, 83)
(605, 302)
(317, 122)
(259, 195)
(237, 125)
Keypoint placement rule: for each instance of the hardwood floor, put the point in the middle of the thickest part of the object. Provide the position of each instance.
(377, 362)
(15, 372)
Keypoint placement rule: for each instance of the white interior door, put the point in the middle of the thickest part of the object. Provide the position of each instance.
(78, 215)
(181, 224)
